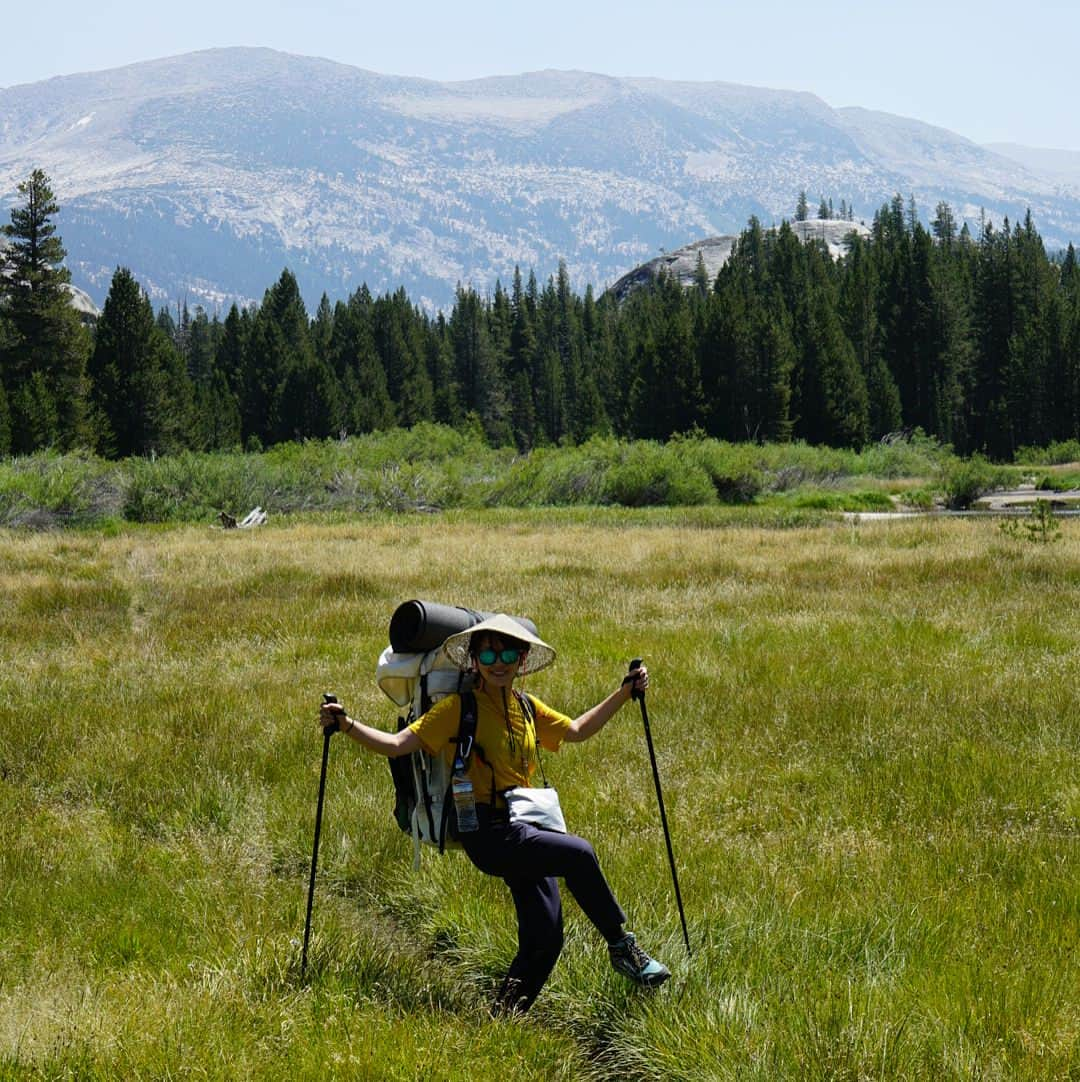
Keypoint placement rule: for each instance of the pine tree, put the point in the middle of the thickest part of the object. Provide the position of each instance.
(858, 312)
(286, 391)
(601, 326)
(481, 377)
(215, 411)
(322, 330)
(261, 375)
(1070, 288)
(924, 342)
(37, 413)
(994, 323)
(951, 333)
(668, 392)
(140, 389)
(202, 339)
(701, 276)
(891, 262)
(833, 401)
(397, 332)
(229, 353)
(43, 360)
(5, 423)
(1057, 393)
(769, 413)
(802, 208)
(728, 343)
(366, 400)
(1069, 269)
(944, 225)
(33, 262)
(1033, 367)
(446, 401)
(520, 364)
(745, 349)
(589, 415)
(582, 406)
(500, 320)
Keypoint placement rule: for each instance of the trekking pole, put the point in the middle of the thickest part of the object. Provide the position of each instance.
(640, 696)
(327, 733)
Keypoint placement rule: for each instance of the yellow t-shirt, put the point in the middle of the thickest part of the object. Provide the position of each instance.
(504, 742)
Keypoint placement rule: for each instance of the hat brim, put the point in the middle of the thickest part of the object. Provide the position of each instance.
(539, 655)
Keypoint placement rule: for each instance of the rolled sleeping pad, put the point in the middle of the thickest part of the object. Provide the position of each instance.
(419, 626)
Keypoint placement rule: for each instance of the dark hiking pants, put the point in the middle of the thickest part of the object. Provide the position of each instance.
(530, 860)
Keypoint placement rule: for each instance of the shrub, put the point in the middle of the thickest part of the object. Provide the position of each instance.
(731, 468)
(1054, 454)
(49, 489)
(918, 499)
(555, 476)
(190, 486)
(1040, 527)
(915, 455)
(649, 474)
(1058, 482)
(861, 500)
(965, 480)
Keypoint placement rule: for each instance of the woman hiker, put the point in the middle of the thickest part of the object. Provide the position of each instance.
(528, 858)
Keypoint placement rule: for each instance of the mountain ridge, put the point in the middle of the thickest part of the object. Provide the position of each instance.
(207, 173)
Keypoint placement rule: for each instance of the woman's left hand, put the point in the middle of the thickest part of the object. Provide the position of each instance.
(638, 679)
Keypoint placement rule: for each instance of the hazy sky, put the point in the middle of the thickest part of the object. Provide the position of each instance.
(991, 70)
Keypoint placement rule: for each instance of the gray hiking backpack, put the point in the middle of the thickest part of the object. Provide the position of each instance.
(415, 673)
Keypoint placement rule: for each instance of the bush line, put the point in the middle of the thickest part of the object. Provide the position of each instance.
(435, 467)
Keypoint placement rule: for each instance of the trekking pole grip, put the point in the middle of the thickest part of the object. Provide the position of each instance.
(637, 696)
(336, 728)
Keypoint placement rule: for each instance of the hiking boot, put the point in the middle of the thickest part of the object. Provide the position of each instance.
(631, 961)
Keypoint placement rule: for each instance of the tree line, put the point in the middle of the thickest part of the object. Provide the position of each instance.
(973, 339)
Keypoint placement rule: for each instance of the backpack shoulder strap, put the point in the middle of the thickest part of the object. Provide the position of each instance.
(527, 705)
(466, 736)
(465, 742)
(528, 708)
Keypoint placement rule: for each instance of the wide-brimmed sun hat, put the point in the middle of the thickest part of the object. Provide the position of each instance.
(540, 655)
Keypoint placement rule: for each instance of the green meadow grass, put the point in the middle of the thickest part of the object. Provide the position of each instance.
(868, 737)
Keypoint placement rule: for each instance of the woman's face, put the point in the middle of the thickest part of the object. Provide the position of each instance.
(496, 671)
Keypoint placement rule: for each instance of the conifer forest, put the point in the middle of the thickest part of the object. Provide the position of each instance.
(972, 336)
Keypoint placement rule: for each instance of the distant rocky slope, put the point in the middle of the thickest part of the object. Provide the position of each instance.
(208, 173)
(715, 251)
(83, 303)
